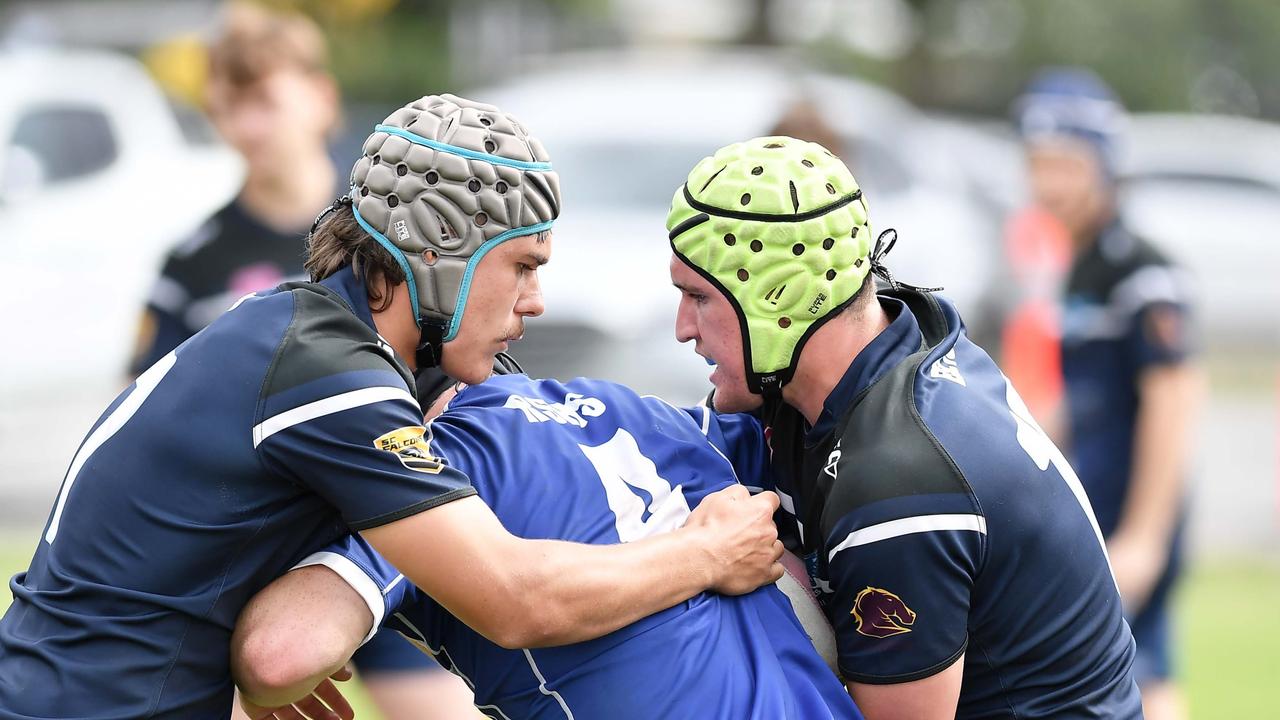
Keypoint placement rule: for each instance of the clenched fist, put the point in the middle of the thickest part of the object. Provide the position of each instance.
(739, 538)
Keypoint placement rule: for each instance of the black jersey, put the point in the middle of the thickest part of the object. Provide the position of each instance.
(940, 520)
(229, 255)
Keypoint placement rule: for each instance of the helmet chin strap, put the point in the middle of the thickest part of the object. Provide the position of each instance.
(430, 352)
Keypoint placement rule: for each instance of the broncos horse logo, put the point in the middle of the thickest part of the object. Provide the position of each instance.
(880, 614)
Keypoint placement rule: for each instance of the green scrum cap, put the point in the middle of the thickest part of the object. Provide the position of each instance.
(780, 227)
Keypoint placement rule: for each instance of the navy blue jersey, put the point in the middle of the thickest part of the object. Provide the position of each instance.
(590, 461)
(942, 521)
(269, 434)
(1126, 310)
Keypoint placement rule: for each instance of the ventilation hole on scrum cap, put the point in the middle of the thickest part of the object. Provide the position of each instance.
(430, 257)
(402, 169)
(490, 146)
(828, 244)
(481, 219)
(795, 197)
(831, 275)
(377, 159)
(756, 246)
(773, 145)
(730, 239)
(364, 191)
(831, 188)
(806, 163)
(757, 170)
(746, 198)
(433, 177)
(485, 121)
(743, 275)
(854, 234)
(392, 201)
(784, 322)
(797, 249)
(501, 187)
(473, 185)
(857, 263)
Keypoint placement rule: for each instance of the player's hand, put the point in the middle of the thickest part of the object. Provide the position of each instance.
(324, 703)
(1138, 565)
(741, 540)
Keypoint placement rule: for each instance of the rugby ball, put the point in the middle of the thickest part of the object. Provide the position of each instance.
(795, 584)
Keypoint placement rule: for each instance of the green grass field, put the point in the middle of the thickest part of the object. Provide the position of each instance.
(1229, 613)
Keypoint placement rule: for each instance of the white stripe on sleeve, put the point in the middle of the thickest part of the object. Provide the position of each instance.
(908, 526)
(356, 578)
(328, 406)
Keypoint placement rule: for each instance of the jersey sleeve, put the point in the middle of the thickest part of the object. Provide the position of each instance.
(1161, 335)
(1161, 330)
(900, 589)
(380, 585)
(163, 326)
(365, 451)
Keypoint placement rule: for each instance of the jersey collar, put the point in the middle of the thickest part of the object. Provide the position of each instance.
(352, 290)
(893, 345)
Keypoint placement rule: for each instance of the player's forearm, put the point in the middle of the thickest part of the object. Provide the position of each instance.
(579, 592)
(296, 632)
(529, 593)
(1170, 398)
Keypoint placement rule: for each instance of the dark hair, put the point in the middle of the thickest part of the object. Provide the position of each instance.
(339, 242)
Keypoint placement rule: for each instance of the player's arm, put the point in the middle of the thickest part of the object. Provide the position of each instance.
(901, 576)
(293, 636)
(931, 698)
(1170, 388)
(531, 593)
(1170, 396)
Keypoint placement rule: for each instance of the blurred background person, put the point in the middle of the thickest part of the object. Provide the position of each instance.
(1131, 387)
(271, 97)
(803, 120)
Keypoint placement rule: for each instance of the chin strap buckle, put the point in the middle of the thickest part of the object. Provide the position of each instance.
(430, 352)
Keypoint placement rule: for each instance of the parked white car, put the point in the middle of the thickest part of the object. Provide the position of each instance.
(97, 181)
(1207, 189)
(625, 129)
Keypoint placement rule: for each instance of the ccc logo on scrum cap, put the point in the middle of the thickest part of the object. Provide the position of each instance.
(881, 614)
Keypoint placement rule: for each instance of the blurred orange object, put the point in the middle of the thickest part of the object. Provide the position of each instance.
(1038, 249)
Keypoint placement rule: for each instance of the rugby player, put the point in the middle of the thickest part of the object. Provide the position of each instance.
(960, 561)
(587, 461)
(272, 98)
(291, 421)
(1131, 383)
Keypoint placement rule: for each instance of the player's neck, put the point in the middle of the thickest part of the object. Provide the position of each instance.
(289, 200)
(395, 324)
(827, 356)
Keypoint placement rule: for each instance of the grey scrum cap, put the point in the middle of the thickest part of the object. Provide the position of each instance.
(442, 181)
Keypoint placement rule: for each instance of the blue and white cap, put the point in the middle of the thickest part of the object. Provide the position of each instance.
(1072, 102)
(444, 180)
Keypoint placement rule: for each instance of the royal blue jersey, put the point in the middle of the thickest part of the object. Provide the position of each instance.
(591, 462)
(1127, 310)
(274, 431)
(941, 522)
